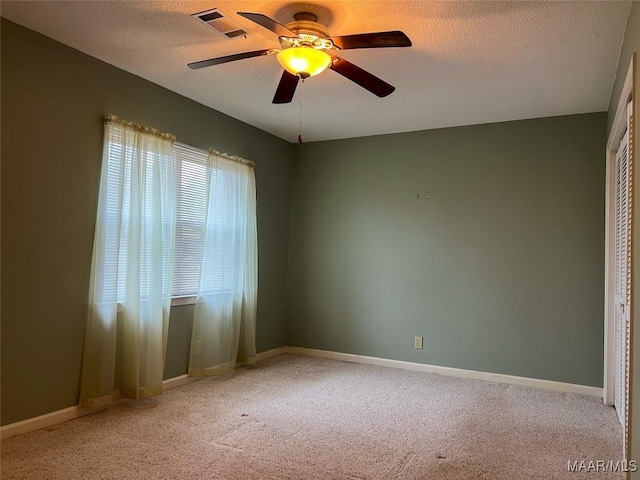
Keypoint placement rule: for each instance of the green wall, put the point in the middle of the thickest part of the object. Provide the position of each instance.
(53, 101)
(501, 269)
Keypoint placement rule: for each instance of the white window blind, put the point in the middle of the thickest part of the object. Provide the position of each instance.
(224, 187)
(224, 260)
(131, 159)
(223, 184)
(191, 208)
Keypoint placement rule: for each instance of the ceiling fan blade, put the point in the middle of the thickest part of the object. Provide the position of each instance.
(363, 78)
(228, 58)
(372, 40)
(269, 24)
(286, 88)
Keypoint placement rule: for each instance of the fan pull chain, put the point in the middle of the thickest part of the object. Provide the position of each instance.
(300, 103)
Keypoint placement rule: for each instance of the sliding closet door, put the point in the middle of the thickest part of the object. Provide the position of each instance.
(623, 282)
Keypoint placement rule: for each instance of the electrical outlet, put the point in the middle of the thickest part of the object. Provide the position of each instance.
(417, 343)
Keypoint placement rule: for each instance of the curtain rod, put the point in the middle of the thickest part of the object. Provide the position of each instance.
(233, 158)
(144, 129)
(138, 127)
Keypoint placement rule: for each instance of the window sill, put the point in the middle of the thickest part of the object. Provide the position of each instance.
(175, 302)
(179, 301)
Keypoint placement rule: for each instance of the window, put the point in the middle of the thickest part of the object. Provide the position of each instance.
(222, 186)
(121, 205)
(191, 208)
(172, 222)
(194, 190)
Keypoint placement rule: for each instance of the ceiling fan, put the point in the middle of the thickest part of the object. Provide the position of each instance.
(307, 50)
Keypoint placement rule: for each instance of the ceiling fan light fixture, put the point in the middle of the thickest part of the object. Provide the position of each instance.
(304, 61)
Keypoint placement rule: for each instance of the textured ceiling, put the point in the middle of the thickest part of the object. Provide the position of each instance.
(471, 62)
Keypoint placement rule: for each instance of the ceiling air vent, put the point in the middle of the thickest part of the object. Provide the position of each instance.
(220, 22)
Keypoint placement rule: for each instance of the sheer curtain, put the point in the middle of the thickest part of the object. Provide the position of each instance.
(130, 291)
(225, 315)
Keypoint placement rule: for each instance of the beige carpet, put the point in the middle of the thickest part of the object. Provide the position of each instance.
(295, 417)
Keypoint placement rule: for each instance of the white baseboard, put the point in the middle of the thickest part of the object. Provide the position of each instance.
(178, 381)
(46, 420)
(274, 352)
(70, 413)
(452, 372)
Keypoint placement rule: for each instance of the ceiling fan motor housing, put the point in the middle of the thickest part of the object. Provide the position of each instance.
(310, 33)
(305, 22)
